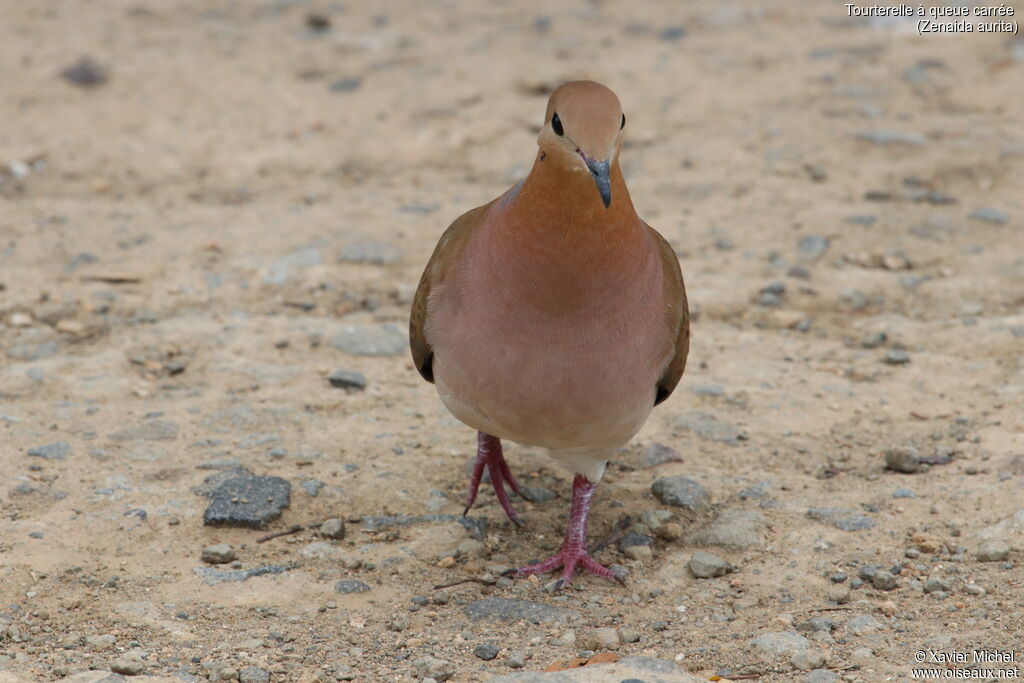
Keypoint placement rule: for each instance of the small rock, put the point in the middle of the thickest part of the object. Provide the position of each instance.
(101, 642)
(471, 548)
(386, 339)
(669, 531)
(629, 635)
(318, 550)
(333, 528)
(602, 639)
(641, 553)
(351, 586)
(506, 609)
(780, 642)
(213, 576)
(486, 651)
(86, 73)
(51, 451)
(150, 430)
(222, 553)
(896, 357)
(904, 493)
(882, 580)
(989, 214)
(821, 676)
(974, 589)
(317, 21)
(128, 666)
(993, 551)
(671, 34)
(370, 251)
(538, 494)
(312, 487)
(863, 624)
(841, 518)
(348, 380)
(885, 137)
(438, 669)
(347, 84)
(805, 660)
(736, 529)
(936, 584)
(253, 674)
(705, 565)
(248, 501)
(813, 246)
(817, 625)
(681, 492)
(516, 660)
(658, 454)
(709, 427)
(904, 459)
(398, 622)
(874, 340)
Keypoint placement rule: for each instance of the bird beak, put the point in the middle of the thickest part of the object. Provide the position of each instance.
(599, 169)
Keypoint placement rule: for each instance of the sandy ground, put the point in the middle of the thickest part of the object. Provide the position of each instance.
(188, 248)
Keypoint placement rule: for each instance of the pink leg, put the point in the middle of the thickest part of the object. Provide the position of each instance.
(574, 548)
(488, 454)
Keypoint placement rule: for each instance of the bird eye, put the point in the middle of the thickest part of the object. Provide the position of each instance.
(556, 125)
(623, 122)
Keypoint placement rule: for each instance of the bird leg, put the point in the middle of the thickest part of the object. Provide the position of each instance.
(574, 548)
(488, 454)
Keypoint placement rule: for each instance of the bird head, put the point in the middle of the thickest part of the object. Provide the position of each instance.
(582, 132)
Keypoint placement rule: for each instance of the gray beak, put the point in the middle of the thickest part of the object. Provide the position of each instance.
(599, 169)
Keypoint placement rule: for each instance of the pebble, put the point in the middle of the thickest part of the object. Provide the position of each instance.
(658, 454)
(904, 493)
(883, 580)
(640, 553)
(101, 642)
(874, 340)
(601, 639)
(248, 501)
(841, 518)
(885, 137)
(351, 586)
(735, 529)
(516, 660)
(398, 622)
(349, 380)
(508, 609)
(993, 551)
(905, 459)
(629, 635)
(813, 246)
(128, 666)
(863, 624)
(318, 550)
(386, 339)
(438, 669)
(347, 84)
(221, 553)
(811, 658)
(212, 576)
(710, 427)
(312, 487)
(705, 565)
(817, 625)
(935, 584)
(370, 251)
(681, 492)
(989, 214)
(253, 674)
(150, 430)
(333, 528)
(896, 357)
(974, 589)
(51, 451)
(486, 651)
(779, 642)
(821, 676)
(538, 494)
(86, 73)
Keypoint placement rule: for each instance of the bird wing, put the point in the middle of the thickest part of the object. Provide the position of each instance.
(677, 316)
(445, 254)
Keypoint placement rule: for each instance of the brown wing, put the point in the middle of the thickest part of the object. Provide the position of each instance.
(678, 317)
(445, 253)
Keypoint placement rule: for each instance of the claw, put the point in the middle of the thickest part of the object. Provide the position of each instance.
(489, 455)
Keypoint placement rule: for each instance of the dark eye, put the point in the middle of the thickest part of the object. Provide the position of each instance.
(623, 122)
(556, 125)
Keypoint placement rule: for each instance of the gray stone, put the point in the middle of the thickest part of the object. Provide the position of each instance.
(993, 551)
(625, 670)
(705, 565)
(213, 576)
(896, 357)
(817, 625)
(886, 137)
(811, 658)
(438, 669)
(841, 518)
(506, 609)
(333, 528)
(538, 494)
(86, 73)
(282, 269)
(710, 427)
(776, 643)
(681, 492)
(318, 550)
(477, 528)
(250, 502)
(813, 246)
(735, 529)
(935, 583)
(349, 380)
(150, 430)
(221, 553)
(657, 454)
(821, 676)
(253, 674)
(904, 493)
(351, 586)
(486, 651)
(989, 214)
(601, 639)
(346, 84)
(370, 251)
(312, 487)
(904, 459)
(51, 451)
(386, 339)
(863, 624)
(882, 580)
(128, 666)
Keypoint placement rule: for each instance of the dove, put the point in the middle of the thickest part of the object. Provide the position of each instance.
(554, 316)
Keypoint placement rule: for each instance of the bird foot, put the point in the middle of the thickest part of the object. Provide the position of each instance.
(570, 560)
(489, 455)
